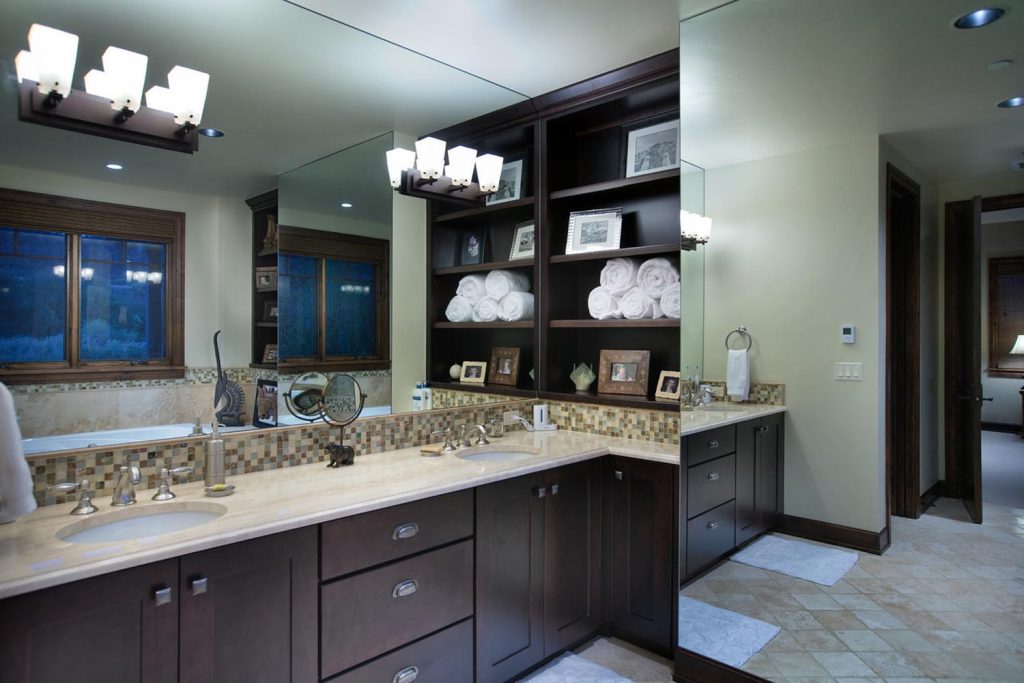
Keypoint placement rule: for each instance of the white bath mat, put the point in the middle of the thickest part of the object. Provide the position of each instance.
(570, 668)
(722, 635)
(802, 560)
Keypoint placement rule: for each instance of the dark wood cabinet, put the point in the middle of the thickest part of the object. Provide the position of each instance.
(759, 446)
(264, 292)
(116, 628)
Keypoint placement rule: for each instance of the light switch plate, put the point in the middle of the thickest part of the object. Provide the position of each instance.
(849, 372)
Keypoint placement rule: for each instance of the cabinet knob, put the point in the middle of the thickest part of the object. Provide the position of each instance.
(404, 531)
(618, 475)
(712, 444)
(199, 586)
(712, 526)
(540, 491)
(712, 476)
(162, 596)
(761, 430)
(406, 675)
(554, 489)
(404, 589)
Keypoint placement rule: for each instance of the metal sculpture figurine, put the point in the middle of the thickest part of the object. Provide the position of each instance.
(231, 414)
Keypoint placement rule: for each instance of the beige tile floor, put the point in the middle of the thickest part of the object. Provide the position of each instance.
(944, 603)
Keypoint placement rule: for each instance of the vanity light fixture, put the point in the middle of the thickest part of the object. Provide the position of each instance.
(211, 132)
(694, 229)
(115, 167)
(979, 18)
(45, 96)
(1018, 346)
(424, 174)
(346, 205)
(1012, 103)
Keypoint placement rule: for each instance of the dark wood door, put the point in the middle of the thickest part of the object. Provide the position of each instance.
(109, 629)
(963, 353)
(747, 518)
(249, 611)
(644, 596)
(509, 577)
(572, 555)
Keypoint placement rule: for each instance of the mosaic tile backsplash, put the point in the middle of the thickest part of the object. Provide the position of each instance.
(764, 393)
(453, 398)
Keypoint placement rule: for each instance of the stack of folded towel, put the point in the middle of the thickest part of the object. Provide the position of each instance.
(650, 290)
(501, 295)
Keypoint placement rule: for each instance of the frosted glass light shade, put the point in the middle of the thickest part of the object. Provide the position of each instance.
(460, 168)
(51, 61)
(488, 171)
(693, 226)
(26, 66)
(399, 159)
(430, 157)
(184, 97)
(122, 78)
(1018, 346)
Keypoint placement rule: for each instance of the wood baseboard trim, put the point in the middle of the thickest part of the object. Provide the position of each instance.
(1000, 427)
(928, 498)
(691, 667)
(872, 542)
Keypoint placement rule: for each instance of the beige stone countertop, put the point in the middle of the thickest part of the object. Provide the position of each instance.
(32, 557)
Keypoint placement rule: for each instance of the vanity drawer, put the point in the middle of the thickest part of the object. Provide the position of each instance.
(713, 443)
(354, 543)
(382, 609)
(710, 535)
(445, 657)
(710, 484)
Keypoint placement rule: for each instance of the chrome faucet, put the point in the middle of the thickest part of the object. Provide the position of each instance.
(448, 445)
(85, 506)
(197, 428)
(467, 431)
(124, 485)
(164, 492)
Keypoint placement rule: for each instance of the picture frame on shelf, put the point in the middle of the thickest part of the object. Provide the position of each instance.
(270, 311)
(473, 372)
(266, 279)
(472, 247)
(624, 372)
(669, 385)
(264, 411)
(652, 149)
(504, 366)
(524, 241)
(595, 230)
(270, 353)
(510, 183)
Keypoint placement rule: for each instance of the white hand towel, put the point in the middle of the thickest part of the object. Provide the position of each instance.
(635, 305)
(16, 497)
(602, 304)
(516, 306)
(459, 310)
(619, 275)
(737, 375)
(486, 311)
(472, 288)
(656, 276)
(670, 304)
(501, 282)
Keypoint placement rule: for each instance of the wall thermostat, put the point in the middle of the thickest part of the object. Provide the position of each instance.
(848, 333)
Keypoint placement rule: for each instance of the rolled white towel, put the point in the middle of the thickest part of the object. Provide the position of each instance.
(459, 310)
(670, 304)
(16, 497)
(501, 282)
(486, 311)
(516, 306)
(472, 288)
(656, 276)
(636, 305)
(619, 275)
(603, 304)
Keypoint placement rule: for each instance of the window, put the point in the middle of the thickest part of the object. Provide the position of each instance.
(1005, 315)
(90, 291)
(333, 292)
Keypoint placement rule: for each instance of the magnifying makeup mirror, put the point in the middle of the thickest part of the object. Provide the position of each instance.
(337, 401)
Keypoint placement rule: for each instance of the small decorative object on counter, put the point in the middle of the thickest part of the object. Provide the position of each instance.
(597, 230)
(264, 412)
(417, 397)
(504, 365)
(455, 371)
(624, 372)
(426, 397)
(227, 391)
(213, 467)
(669, 385)
(473, 372)
(582, 376)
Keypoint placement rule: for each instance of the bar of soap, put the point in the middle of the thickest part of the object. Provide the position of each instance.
(432, 449)
(218, 487)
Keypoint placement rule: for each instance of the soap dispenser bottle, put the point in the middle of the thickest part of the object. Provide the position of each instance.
(214, 468)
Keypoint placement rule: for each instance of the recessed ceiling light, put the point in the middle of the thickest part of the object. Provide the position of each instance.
(1012, 102)
(999, 65)
(118, 167)
(211, 132)
(346, 205)
(979, 18)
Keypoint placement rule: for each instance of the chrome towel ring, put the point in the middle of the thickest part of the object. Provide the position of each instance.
(742, 331)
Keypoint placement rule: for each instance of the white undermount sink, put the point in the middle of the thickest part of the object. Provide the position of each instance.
(141, 522)
(723, 408)
(506, 455)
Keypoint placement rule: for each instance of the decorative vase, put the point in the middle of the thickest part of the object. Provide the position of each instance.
(582, 376)
(455, 371)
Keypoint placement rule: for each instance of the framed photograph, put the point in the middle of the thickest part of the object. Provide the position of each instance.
(270, 311)
(624, 372)
(597, 230)
(668, 385)
(473, 372)
(266, 279)
(270, 353)
(471, 247)
(652, 149)
(264, 411)
(510, 185)
(504, 366)
(523, 241)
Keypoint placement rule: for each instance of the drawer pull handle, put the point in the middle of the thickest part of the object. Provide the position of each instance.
(713, 476)
(404, 531)
(712, 526)
(404, 589)
(762, 429)
(554, 489)
(618, 475)
(406, 675)
(712, 444)
(199, 586)
(162, 596)
(540, 491)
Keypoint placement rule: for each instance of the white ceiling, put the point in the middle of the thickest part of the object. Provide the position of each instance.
(767, 77)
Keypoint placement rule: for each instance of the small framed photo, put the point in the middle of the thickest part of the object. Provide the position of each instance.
(269, 311)
(270, 353)
(668, 385)
(652, 149)
(473, 372)
(510, 185)
(523, 241)
(597, 230)
(504, 365)
(266, 279)
(471, 247)
(264, 412)
(624, 372)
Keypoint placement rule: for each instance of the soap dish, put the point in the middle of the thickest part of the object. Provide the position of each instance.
(219, 492)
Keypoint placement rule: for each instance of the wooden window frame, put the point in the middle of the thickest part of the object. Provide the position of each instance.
(324, 245)
(1000, 265)
(35, 211)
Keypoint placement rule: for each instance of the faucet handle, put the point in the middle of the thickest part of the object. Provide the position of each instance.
(448, 446)
(482, 439)
(164, 492)
(85, 506)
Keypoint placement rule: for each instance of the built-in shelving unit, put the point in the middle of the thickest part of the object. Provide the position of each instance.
(264, 212)
(495, 325)
(484, 267)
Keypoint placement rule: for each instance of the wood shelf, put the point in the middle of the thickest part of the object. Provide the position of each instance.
(262, 324)
(617, 324)
(617, 184)
(611, 400)
(483, 210)
(263, 366)
(485, 389)
(496, 325)
(481, 267)
(617, 253)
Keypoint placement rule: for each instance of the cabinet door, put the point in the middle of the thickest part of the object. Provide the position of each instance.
(572, 555)
(509, 577)
(748, 523)
(108, 629)
(643, 539)
(249, 611)
(770, 451)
